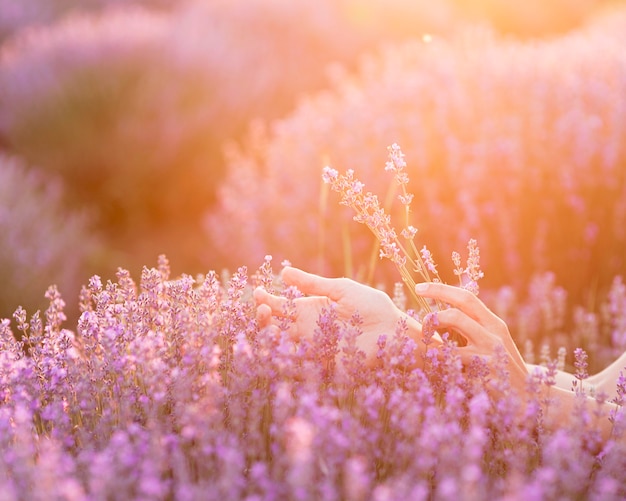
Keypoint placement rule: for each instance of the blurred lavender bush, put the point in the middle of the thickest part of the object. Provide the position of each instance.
(79, 101)
(17, 16)
(43, 242)
(532, 18)
(523, 19)
(132, 105)
(517, 144)
(131, 101)
(168, 390)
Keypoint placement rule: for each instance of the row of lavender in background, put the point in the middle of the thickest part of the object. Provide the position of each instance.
(519, 145)
(84, 97)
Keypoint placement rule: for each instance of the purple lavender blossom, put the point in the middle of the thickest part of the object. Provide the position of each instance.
(168, 389)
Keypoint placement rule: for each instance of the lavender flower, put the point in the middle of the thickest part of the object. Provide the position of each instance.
(476, 174)
(580, 364)
(406, 258)
(168, 388)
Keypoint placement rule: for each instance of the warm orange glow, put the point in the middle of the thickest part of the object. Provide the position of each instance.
(133, 108)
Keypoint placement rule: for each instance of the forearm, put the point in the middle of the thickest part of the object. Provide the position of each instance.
(603, 382)
(563, 407)
(606, 380)
(564, 380)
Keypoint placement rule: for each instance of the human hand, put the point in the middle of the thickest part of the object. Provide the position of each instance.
(482, 328)
(377, 310)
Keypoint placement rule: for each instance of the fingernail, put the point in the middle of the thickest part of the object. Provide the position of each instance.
(423, 287)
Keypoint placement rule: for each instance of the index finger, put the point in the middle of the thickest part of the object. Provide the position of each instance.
(309, 283)
(462, 299)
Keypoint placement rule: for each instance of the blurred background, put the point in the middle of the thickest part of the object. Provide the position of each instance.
(198, 129)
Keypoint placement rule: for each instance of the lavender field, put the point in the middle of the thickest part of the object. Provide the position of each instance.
(159, 159)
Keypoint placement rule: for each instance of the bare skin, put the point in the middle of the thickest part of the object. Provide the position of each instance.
(380, 315)
(468, 316)
(482, 329)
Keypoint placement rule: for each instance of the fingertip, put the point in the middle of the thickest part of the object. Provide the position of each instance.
(259, 293)
(293, 276)
(422, 287)
(263, 311)
(286, 272)
(263, 315)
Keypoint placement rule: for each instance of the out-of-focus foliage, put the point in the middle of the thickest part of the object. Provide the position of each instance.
(517, 144)
(18, 15)
(520, 18)
(131, 106)
(73, 103)
(531, 18)
(42, 242)
(131, 101)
